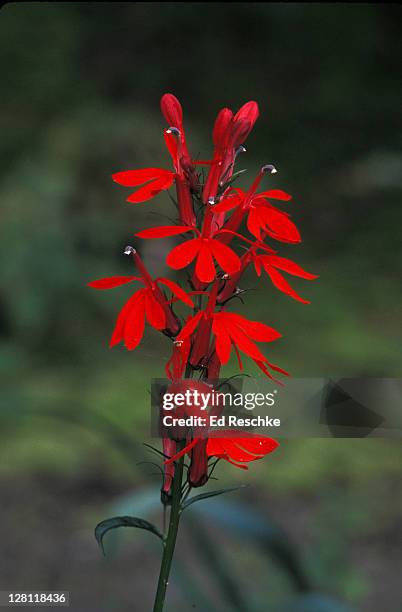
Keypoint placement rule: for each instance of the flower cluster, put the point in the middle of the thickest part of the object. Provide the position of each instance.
(211, 215)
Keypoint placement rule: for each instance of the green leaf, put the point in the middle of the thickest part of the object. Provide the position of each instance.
(197, 498)
(123, 521)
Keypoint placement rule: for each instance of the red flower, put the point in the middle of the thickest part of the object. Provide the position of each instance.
(262, 216)
(234, 331)
(148, 304)
(240, 450)
(156, 179)
(273, 263)
(237, 450)
(202, 249)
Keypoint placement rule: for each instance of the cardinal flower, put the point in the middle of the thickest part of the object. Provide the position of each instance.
(203, 249)
(262, 216)
(232, 330)
(272, 264)
(147, 304)
(230, 132)
(237, 450)
(240, 450)
(154, 180)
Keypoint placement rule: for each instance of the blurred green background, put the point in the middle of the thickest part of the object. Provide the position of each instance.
(81, 85)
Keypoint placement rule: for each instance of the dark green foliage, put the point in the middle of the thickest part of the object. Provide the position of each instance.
(123, 521)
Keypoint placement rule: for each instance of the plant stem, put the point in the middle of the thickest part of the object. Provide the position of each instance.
(170, 541)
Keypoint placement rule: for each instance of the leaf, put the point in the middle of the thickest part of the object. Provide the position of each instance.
(123, 521)
(201, 496)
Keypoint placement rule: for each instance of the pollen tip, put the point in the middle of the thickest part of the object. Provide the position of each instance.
(173, 130)
(240, 149)
(211, 201)
(269, 168)
(129, 250)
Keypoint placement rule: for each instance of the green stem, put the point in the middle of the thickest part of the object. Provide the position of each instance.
(170, 540)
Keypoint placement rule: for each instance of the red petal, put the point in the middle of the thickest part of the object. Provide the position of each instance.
(287, 265)
(243, 449)
(282, 284)
(256, 330)
(154, 311)
(183, 451)
(239, 361)
(163, 231)
(223, 343)
(132, 178)
(263, 367)
(172, 147)
(257, 264)
(254, 223)
(112, 281)
(228, 203)
(226, 258)
(277, 368)
(118, 331)
(135, 322)
(278, 225)
(251, 448)
(183, 254)
(190, 326)
(215, 447)
(276, 194)
(151, 189)
(245, 344)
(177, 291)
(204, 268)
